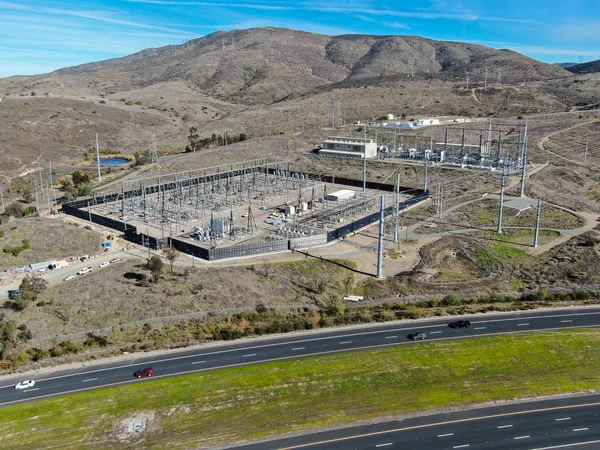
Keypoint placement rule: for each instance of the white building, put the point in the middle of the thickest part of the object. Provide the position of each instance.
(349, 147)
(341, 195)
(428, 121)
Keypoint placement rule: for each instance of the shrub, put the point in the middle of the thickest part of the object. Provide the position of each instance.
(451, 300)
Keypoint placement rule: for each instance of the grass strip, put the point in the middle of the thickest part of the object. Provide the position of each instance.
(257, 401)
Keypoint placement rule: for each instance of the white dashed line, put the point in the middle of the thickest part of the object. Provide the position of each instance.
(447, 434)
(251, 354)
(504, 426)
(562, 418)
(298, 348)
(479, 328)
(391, 337)
(565, 321)
(89, 379)
(581, 429)
(462, 446)
(435, 332)
(521, 437)
(198, 362)
(34, 389)
(384, 445)
(574, 444)
(522, 324)
(345, 342)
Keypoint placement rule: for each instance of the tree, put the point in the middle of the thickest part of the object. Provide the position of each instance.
(171, 254)
(15, 209)
(194, 140)
(594, 194)
(155, 265)
(31, 287)
(26, 192)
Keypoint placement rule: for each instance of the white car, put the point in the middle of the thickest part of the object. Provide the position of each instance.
(86, 270)
(25, 384)
(104, 264)
(70, 277)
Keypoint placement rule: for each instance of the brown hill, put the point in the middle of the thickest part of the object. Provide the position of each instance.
(262, 65)
(588, 67)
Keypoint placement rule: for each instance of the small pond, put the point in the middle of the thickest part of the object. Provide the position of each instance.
(112, 161)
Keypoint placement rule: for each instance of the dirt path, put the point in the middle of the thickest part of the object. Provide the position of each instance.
(540, 143)
(475, 96)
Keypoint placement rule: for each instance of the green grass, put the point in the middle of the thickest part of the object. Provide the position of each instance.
(508, 254)
(220, 407)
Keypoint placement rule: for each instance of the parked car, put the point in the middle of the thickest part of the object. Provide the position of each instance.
(25, 384)
(416, 336)
(460, 324)
(86, 270)
(147, 372)
(13, 293)
(114, 260)
(70, 277)
(104, 264)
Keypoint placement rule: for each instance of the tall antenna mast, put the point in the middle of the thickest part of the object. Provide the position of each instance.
(485, 80)
(98, 157)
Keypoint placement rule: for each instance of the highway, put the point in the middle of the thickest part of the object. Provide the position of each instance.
(538, 425)
(285, 347)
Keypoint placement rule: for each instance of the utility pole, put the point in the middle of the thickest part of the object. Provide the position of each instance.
(37, 203)
(396, 207)
(537, 222)
(1, 201)
(365, 163)
(441, 201)
(524, 169)
(499, 230)
(587, 140)
(467, 82)
(425, 180)
(380, 244)
(333, 112)
(98, 157)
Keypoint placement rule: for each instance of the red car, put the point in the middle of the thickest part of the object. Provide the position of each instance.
(147, 372)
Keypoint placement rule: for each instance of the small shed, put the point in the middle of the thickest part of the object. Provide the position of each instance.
(341, 195)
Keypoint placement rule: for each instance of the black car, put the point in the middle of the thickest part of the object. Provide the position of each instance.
(460, 324)
(416, 336)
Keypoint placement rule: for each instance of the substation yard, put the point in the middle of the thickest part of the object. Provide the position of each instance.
(251, 202)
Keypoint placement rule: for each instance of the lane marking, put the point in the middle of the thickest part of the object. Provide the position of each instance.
(504, 426)
(521, 437)
(198, 362)
(299, 348)
(345, 342)
(434, 332)
(429, 425)
(89, 379)
(580, 429)
(34, 389)
(329, 338)
(522, 324)
(565, 321)
(562, 418)
(447, 434)
(248, 355)
(479, 328)
(242, 364)
(461, 446)
(574, 444)
(391, 337)
(384, 445)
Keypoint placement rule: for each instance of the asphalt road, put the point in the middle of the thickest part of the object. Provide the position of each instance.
(540, 425)
(254, 351)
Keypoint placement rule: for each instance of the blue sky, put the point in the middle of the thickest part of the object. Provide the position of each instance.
(38, 36)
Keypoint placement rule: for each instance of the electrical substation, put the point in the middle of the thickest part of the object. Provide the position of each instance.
(245, 208)
(499, 146)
